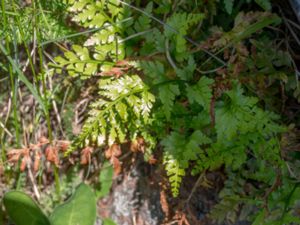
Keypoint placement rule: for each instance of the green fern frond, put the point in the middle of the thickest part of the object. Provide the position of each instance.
(78, 62)
(201, 93)
(167, 94)
(123, 110)
(101, 48)
(88, 13)
(174, 172)
(181, 22)
(179, 152)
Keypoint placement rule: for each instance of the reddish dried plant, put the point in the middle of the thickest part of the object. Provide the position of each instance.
(32, 156)
(86, 155)
(112, 153)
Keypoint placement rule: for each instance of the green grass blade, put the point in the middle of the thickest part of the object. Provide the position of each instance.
(23, 78)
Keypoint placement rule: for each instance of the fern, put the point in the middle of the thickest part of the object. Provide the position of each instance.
(78, 62)
(167, 94)
(103, 47)
(200, 93)
(200, 127)
(123, 109)
(179, 151)
(181, 22)
(240, 127)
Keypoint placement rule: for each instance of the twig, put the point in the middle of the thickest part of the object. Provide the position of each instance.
(169, 56)
(194, 187)
(210, 71)
(34, 186)
(6, 130)
(58, 118)
(275, 185)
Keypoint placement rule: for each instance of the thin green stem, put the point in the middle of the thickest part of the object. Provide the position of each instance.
(42, 72)
(12, 84)
(22, 34)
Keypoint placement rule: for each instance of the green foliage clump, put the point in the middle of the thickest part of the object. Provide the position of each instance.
(157, 82)
(43, 18)
(124, 108)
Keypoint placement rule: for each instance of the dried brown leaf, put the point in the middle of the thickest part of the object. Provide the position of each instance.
(85, 157)
(52, 155)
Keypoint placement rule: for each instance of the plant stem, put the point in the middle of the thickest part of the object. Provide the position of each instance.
(12, 84)
(45, 98)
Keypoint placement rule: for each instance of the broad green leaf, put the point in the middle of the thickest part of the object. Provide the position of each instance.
(80, 209)
(108, 222)
(23, 210)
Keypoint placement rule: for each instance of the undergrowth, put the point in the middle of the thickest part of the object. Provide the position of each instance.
(205, 83)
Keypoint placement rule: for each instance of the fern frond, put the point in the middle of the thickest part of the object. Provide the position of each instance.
(174, 172)
(179, 151)
(78, 62)
(181, 22)
(123, 109)
(92, 14)
(167, 94)
(201, 93)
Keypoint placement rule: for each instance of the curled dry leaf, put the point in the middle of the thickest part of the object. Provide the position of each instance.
(120, 69)
(138, 145)
(37, 160)
(134, 147)
(152, 160)
(14, 155)
(51, 153)
(23, 164)
(181, 218)
(113, 151)
(116, 165)
(22, 154)
(115, 71)
(26, 160)
(124, 63)
(86, 155)
(63, 145)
